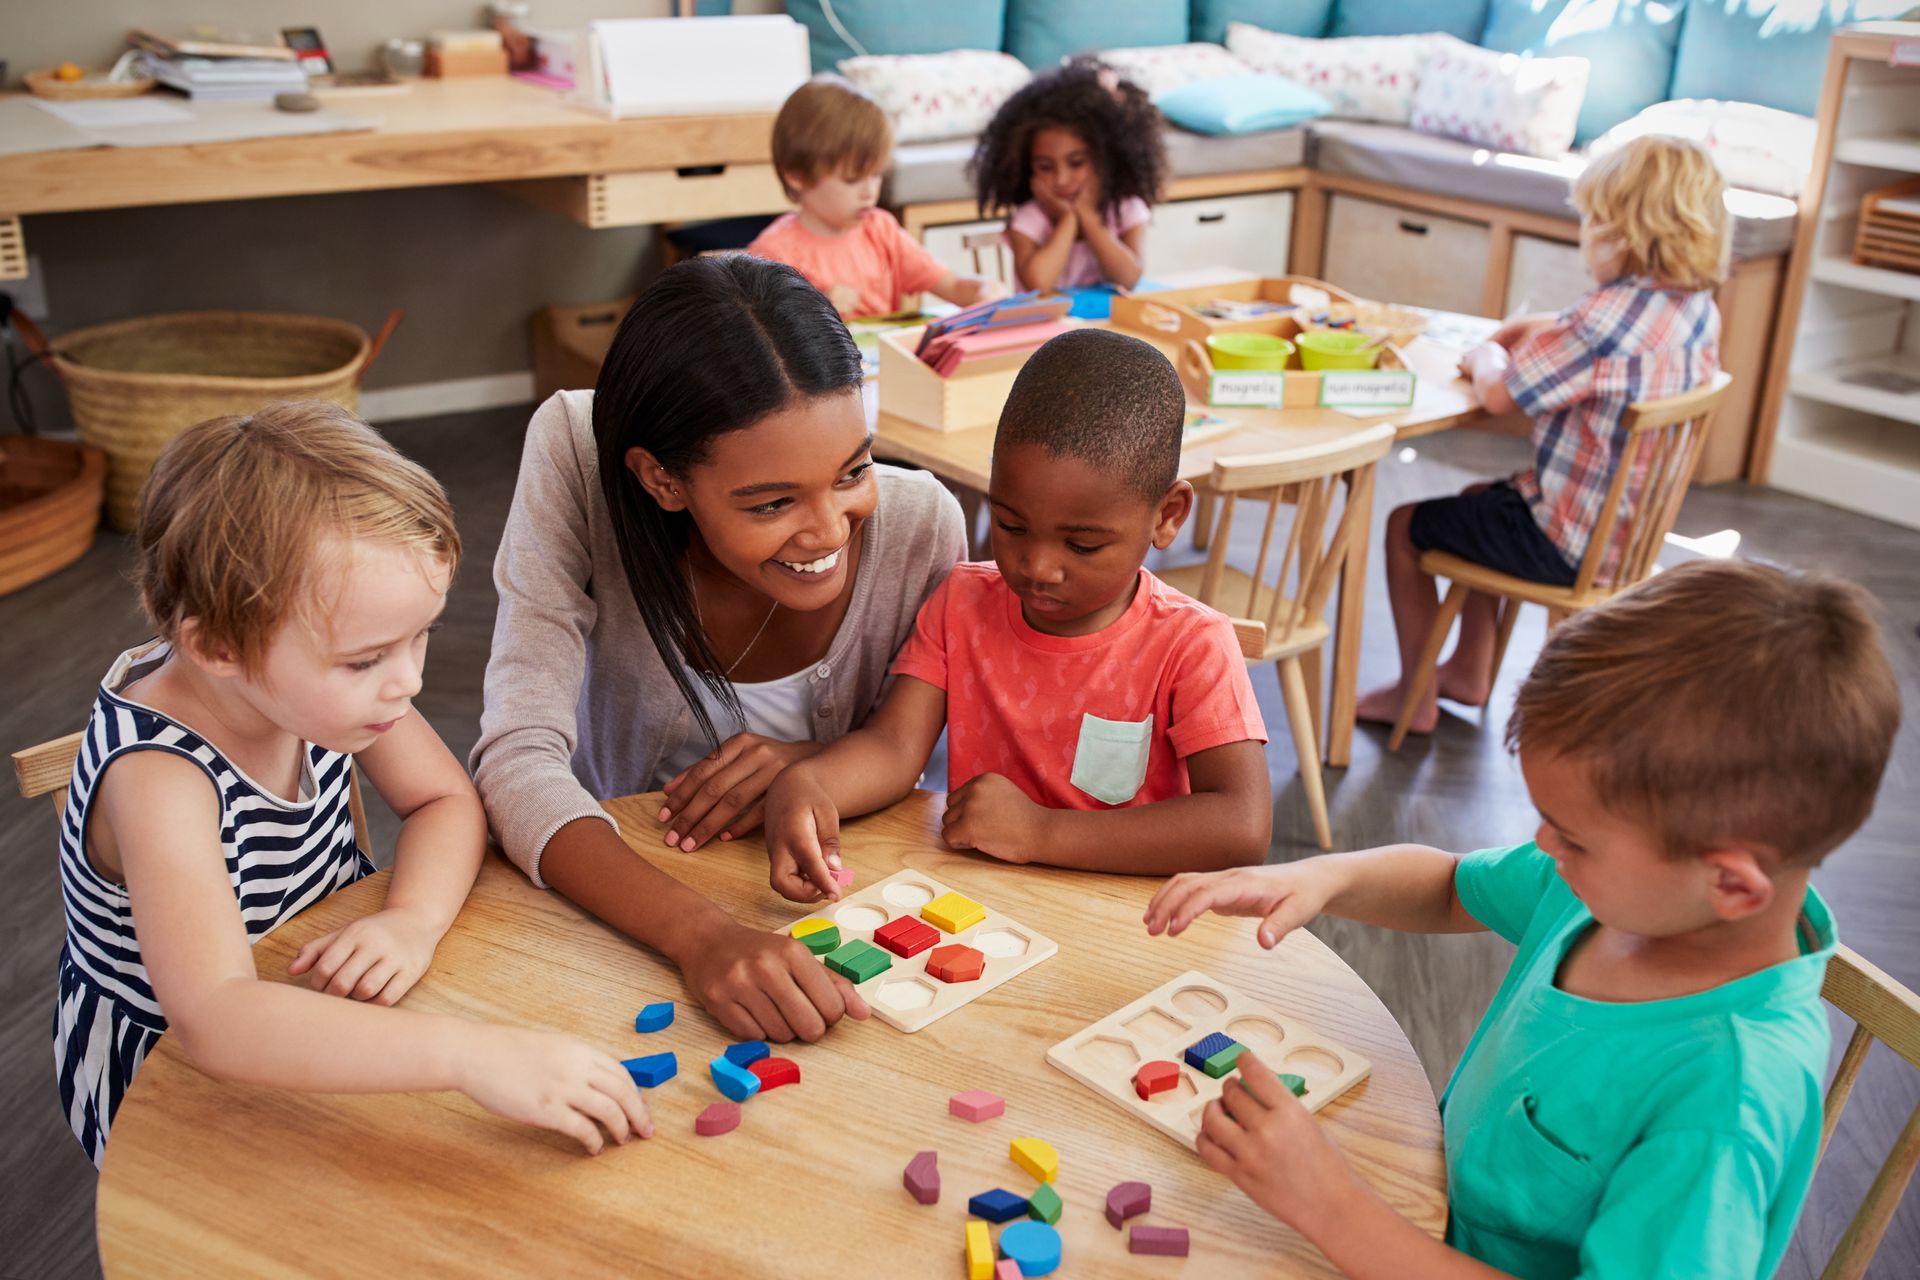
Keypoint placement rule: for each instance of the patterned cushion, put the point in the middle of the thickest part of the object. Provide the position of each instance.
(938, 95)
(1500, 100)
(1161, 69)
(1361, 77)
(1757, 148)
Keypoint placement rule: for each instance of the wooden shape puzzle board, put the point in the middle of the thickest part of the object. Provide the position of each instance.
(904, 996)
(1163, 1022)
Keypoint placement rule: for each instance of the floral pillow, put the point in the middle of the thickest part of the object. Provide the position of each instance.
(1361, 77)
(929, 96)
(1500, 100)
(1160, 69)
(1757, 148)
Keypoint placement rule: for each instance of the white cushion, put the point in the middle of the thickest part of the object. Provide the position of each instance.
(1500, 100)
(1161, 69)
(1757, 148)
(1361, 77)
(928, 96)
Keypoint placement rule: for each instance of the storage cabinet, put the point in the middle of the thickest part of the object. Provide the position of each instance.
(1251, 232)
(1544, 275)
(1406, 255)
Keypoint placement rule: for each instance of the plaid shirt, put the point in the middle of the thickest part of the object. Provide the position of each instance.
(1623, 342)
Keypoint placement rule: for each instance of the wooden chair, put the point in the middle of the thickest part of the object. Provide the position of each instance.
(45, 770)
(978, 242)
(1664, 441)
(1284, 620)
(1882, 1009)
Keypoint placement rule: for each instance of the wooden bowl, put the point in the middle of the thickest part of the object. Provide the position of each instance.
(45, 84)
(50, 496)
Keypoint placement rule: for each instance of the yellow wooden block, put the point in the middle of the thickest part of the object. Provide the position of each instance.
(979, 1251)
(953, 912)
(1037, 1157)
(806, 927)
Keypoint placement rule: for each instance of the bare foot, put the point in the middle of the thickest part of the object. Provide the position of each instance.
(1382, 706)
(1467, 690)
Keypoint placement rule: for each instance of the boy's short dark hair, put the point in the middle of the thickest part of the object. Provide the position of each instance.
(1722, 702)
(1105, 398)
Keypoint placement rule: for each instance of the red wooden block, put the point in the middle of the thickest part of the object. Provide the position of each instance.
(721, 1117)
(774, 1072)
(1155, 1077)
(922, 1178)
(956, 962)
(906, 936)
(1169, 1242)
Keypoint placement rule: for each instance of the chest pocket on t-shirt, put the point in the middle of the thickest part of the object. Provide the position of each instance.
(1513, 1179)
(1110, 760)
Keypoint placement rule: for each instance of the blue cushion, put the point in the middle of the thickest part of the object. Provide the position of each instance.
(1629, 48)
(1750, 51)
(1288, 17)
(1462, 18)
(887, 26)
(1041, 32)
(1241, 104)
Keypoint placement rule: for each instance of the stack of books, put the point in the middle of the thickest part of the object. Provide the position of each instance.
(220, 69)
(991, 331)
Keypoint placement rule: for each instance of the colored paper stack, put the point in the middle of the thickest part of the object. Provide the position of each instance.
(991, 330)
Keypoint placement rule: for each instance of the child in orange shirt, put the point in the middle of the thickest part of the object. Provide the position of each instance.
(831, 143)
(1095, 717)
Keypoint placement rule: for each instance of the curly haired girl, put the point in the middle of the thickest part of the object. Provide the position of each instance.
(1077, 156)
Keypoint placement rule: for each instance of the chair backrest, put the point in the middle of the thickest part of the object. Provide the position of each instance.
(978, 242)
(1310, 479)
(1650, 479)
(1883, 1009)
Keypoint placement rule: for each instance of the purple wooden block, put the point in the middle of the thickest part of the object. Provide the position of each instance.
(922, 1178)
(1171, 1241)
(1127, 1200)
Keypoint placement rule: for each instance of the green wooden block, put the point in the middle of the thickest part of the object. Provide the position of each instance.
(1222, 1062)
(858, 961)
(1044, 1204)
(822, 941)
(1296, 1083)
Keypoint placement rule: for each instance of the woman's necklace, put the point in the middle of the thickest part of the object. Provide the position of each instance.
(694, 590)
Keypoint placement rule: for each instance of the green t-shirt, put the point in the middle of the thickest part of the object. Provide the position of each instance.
(1658, 1138)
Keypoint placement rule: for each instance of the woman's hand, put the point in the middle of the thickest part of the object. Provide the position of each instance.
(553, 1081)
(766, 986)
(377, 958)
(1286, 895)
(725, 794)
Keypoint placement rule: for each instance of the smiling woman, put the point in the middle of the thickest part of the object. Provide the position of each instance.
(704, 577)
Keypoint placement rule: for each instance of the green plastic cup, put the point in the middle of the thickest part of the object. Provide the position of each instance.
(1249, 352)
(1337, 349)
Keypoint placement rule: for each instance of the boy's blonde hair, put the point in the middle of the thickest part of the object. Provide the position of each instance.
(234, 507)
(1661, 203)
(1722, 702)
(828, 126)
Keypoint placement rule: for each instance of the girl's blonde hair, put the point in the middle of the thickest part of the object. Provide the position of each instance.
(234, 508)
(1660, 202)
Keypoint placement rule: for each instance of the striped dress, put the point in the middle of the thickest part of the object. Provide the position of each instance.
(281, 857)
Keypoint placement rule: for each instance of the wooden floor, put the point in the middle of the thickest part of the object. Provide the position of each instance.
(1457, 790)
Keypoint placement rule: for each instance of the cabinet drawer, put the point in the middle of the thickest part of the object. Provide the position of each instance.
(1545, 275)
(644, 197)
(1390, 254)
(1249, 231)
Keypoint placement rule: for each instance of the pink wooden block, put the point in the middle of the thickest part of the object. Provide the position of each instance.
(1007, 1269)
(977, 1105)
(1168, 1241)
(1128, 1200)
(721, 1117)
(843, 876)
(922, 1178)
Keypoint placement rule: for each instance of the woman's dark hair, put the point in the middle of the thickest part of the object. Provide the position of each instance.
(1113, 115)
(714, 345)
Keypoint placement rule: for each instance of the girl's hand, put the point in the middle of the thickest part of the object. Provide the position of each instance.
(991, 814)
(764, 986)
(725, 793)
(553, 1081)
(377, 958)
(1287, 895)
(803, 839)
(1269, 1145)
(1056, 209)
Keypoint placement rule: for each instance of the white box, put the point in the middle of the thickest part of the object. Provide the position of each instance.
(693, 66)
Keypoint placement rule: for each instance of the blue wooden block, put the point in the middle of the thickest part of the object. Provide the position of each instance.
(1200, 1050)
(654, 1017)
(997, 1205)
(653, 1070)
(733, 1080)
(747, 1052)
(1033, 1246)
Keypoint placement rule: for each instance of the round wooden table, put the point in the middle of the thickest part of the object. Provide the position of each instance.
(209, 1179)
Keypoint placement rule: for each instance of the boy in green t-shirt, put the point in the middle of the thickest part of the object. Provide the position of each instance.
(1643, 1096)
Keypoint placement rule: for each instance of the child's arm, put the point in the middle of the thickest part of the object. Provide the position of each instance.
(1486, 365)
(443, 836)
(163, 816)
(867, 769)
(964, 291)
(1121, 259)
(1226, 821)
(1038, 266)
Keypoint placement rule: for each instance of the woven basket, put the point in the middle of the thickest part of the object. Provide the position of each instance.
(49, 506)
(135, 384)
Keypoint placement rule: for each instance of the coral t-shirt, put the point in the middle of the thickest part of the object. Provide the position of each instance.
(877, 259)
(1080, 722)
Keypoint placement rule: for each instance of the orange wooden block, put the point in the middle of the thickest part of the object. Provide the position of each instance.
(956, 962)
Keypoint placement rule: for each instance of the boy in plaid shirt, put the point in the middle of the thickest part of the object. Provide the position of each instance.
(1653, 233)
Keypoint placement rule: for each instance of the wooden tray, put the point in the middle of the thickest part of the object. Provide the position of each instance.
(45, 84)
(1295, 388)
(1172, 313)
(972, 397)
(1890, 236)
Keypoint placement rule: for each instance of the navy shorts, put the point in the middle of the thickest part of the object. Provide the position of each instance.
(1495, 528)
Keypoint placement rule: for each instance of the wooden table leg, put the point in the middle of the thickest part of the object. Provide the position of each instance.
(1346, 630)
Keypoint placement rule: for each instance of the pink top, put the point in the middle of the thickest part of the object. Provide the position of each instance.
(878, 259)
(1080, 722)
(1082, 268)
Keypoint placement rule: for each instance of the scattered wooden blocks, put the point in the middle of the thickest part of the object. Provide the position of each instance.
(774, 1072)
(906, 937)
(735, 1081)
(1036, 1156)
(977, 1105)
(1034, 1246)
(956, 962)
(1128, 1200)
(979, 1252)
(655, 1017)
(719, 1118)
(1168, 1241)
(1214, 1054)
(747, 1052)
(953, 912)
(1298, 1084)
(922, 1178)
(997, 1205)
(858, 961)
(653, 1070)
(1155, 1077)
(1044, 1205)
(819, 936)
